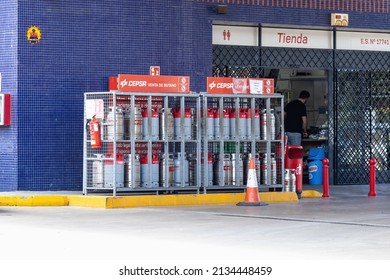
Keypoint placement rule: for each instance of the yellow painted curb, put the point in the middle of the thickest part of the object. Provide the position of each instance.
(8, 201)
(88, 201)
(173, 200)
(279, 197)
(311, 194)
(193, 200)
(34, 200)
(143, 200)
(221, 198)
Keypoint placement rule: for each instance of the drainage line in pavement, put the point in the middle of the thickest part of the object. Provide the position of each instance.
(303, 221)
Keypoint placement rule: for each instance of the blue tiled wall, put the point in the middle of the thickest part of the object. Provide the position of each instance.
(82, 44)
(362, 14)
(9, 71)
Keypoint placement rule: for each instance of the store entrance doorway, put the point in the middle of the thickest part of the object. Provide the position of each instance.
(355, 87)
(290, 82)
(355, 91)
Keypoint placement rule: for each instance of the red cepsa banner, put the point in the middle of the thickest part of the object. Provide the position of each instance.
(160, 84)
(226, 85)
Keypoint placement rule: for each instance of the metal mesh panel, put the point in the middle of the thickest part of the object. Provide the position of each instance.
(362, 116)
(352, 122)
(296, 58)
(149, 143)
(359, 88)
(380, 130)
(244, 62)
(242, 130)
(380, 120)
(236, 61)
(361, 60)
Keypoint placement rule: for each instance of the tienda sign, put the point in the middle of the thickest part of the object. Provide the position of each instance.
(146, 83)
(295, 38)
(226, 85)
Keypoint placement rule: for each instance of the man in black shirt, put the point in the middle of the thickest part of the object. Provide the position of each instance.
(296, 119)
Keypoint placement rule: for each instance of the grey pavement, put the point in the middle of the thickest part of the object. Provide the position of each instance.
(349, 225)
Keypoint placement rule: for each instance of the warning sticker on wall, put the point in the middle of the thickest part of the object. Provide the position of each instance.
(33, 35)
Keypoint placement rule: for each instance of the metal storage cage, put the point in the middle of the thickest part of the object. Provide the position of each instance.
(149, 143)
(182, 142)
(236, 126)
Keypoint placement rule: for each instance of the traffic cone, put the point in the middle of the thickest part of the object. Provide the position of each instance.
(252, 197)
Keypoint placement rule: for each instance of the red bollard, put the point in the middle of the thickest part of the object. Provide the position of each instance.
(325, 177)
(372, 177)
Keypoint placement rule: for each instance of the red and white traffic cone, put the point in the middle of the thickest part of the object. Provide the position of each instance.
(252, 197)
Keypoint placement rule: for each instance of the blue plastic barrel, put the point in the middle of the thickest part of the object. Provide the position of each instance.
(315, 157)
(315, 172)
(316, 153)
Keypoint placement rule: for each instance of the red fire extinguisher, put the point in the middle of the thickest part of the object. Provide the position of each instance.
(94, 131)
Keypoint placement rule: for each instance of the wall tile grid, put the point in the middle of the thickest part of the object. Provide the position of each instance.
(84, 42)
(367, 6)
(372, 14)
(8, 69)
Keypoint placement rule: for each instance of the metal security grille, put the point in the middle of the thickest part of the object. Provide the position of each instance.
(243, 62)
(296, 58)
(362, 108)
(237, 62)
(352, 127)
(380, 131)
(359, 107)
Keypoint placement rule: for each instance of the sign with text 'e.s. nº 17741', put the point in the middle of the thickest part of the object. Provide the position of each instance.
(159, 84)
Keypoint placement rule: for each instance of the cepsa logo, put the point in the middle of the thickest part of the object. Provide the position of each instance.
(132, 83)
(220, 85)
(223, 85)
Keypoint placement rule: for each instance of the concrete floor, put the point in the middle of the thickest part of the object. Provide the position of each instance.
(348, 225)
